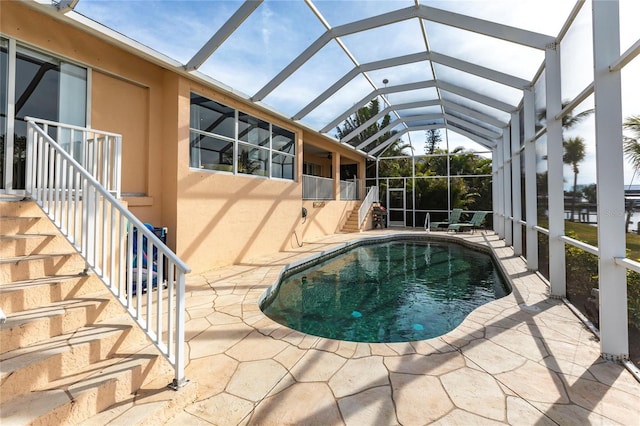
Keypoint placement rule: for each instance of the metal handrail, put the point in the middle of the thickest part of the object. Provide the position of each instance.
(127, 256)
(372, 197)
(99, 152)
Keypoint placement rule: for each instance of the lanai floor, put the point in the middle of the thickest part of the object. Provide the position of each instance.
(523, 359)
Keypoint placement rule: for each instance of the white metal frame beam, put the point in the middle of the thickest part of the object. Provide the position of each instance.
(480, 26)
(555, 152)
(467, 67)
(531, 188)
(379, 115)
(374, 94)
(447, 105)
(516, 186)
(231, 24)
(396, 123)
(488, 28)
(473, 128)
(474, 96)
(506, 186)
(612, 278)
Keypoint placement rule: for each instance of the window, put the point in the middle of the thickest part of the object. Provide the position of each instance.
(259, 148)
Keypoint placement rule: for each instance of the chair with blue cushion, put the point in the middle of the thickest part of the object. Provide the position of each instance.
(453, 218)
(473, 224)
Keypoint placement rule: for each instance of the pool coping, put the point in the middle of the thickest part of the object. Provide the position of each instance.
(521, 359)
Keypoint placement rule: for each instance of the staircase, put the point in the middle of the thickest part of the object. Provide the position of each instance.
(352, 225)
(69, 352)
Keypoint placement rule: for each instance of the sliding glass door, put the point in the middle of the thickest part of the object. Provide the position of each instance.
(37, 85)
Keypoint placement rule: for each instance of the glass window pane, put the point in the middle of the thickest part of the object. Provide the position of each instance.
(253, 161)
(253, 130)
(211, 153)
(283, 140)
(282, 166)
(212, 117)
(37, 85)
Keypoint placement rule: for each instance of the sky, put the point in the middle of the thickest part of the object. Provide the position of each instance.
(279, 30)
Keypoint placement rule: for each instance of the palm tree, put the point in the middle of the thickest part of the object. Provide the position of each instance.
(574, 151)
(631, 149)
(632, 143)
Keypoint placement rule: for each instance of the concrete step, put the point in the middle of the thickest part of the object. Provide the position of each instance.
(26, 244)
(17, 207)
(12, 225)
(34, 266)
(87, 391)
(23, 295)
(67, 356)
(37, 325)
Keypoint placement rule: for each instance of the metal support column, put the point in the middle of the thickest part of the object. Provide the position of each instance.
(530, 188)
(555, 151)
(335, 164)
(500, 191)
(614, 339)
(506, 188)
(516, 185)
(494, 190)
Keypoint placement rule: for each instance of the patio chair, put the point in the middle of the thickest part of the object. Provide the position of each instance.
(453, 218)
(473, 224)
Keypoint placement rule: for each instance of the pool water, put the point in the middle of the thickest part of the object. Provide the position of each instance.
(387, 292)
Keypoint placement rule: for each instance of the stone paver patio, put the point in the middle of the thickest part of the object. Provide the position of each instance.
(523, 359)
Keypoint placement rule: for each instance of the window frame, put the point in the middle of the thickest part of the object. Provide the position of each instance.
(241, 146)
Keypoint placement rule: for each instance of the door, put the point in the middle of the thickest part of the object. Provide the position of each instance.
(396, 206)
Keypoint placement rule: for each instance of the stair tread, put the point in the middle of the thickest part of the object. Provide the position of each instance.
(45, 280)
(18, 358)
(70, 389)
(19, 217)
(36, 256)
(17, 319)
(27, 236)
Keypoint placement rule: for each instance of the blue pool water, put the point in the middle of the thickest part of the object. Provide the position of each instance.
(387, 292)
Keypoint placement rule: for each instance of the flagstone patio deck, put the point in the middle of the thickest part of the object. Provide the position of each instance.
(523, 359)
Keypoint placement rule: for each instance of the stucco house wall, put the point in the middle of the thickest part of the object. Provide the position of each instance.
(213, 219)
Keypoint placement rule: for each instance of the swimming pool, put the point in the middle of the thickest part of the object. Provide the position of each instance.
(392, 291)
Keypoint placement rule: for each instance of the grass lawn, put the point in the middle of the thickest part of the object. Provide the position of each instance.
(589, 234)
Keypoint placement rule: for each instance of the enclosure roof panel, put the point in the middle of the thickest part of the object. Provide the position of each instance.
(317, 62)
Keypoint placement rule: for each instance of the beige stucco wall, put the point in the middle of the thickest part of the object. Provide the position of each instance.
(213, 218)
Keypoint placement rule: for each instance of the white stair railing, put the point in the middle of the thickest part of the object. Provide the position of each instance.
(97, 151)
(372, 197)
(142, 273)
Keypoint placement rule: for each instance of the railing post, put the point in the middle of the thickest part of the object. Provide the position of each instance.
(30, 156)
(179, 379)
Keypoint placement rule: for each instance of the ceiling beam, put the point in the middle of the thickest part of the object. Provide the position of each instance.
(478, 139)
(475, 96)
(473, 114)
(386, 63)
(467, 67)
(480, 26)
(225, 31)
(399, 107)
(374, 94)
(488, 28)
(480, 71)
(472, 127)
(394, 124)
